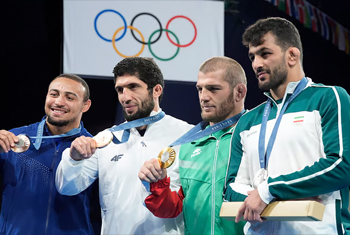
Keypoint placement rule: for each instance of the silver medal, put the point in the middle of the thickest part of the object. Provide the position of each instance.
(22, 144)
(260, 177)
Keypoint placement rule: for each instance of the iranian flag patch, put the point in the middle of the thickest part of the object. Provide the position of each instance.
(298, 119)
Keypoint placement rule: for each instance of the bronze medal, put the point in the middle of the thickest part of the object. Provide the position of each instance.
(166, 157)
(103, 138)
(22, 144)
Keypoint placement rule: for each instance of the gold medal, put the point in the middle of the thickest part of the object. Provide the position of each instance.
(103, 138)
(166, 157)
(22, 144)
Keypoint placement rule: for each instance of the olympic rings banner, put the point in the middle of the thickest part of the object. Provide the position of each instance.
(179, 35)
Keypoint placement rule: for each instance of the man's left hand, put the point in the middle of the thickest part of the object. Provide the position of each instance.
(252, 208)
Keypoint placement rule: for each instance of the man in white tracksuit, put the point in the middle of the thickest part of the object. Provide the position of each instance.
(139, 84)
(294, 146)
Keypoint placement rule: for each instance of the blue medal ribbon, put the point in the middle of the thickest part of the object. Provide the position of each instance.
(39, 135)
(126, 126)
(198, 131)
(135, 123)
(265, 156)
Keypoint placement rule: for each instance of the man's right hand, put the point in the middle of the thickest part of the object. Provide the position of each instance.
(7, 140)
(82, 148)
(151, 171)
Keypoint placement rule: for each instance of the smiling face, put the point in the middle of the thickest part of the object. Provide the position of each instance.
(135, 98)
(65, 105)
(216, 97)
(269, 63)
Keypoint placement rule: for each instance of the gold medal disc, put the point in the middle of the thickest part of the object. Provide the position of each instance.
(103, 138)
(22, 144)
(166, 157)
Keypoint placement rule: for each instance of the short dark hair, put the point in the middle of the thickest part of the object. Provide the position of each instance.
(285, 33)
(234, 73)
(143, 68)
(77, 79)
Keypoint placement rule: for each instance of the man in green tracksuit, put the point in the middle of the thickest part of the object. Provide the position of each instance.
(294, 146)
(203, 166)
(203, 159)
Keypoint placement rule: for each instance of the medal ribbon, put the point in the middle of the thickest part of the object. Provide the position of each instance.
(265, 156)
(197, 132)
(136, 123)
(39, 135)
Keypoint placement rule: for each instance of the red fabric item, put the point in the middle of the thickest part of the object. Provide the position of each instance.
(163, 202)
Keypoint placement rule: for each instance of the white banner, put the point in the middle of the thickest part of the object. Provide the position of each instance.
(179, 35)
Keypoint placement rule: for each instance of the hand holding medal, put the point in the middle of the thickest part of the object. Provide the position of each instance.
(24, 141)
(150, 173)
(9, 141)
(103, 138)
(22, 144)
(167, 156)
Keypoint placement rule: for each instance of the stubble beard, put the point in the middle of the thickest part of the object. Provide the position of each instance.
(277, 78)
(57, 123)
(223, 111)
(145, 111)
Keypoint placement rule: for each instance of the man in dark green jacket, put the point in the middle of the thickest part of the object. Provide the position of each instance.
(294, 146)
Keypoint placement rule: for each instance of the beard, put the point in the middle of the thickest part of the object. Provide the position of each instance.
(144, 110)
(58, 123)
(223, 111)
(278, 76)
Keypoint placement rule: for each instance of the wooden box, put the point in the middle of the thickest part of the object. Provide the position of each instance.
(280, 211)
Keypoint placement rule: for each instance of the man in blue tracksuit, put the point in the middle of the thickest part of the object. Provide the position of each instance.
(30, 201)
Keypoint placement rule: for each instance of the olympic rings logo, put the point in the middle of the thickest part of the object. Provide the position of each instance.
(142, 41)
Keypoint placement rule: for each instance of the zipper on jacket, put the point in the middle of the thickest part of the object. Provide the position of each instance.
(52, 181)
(213, 188)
